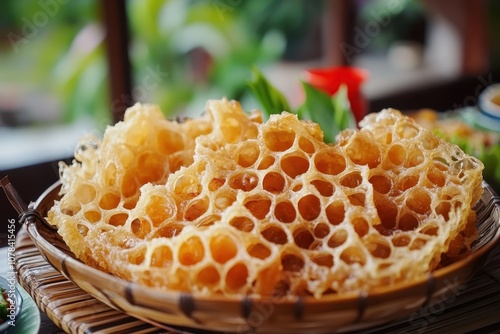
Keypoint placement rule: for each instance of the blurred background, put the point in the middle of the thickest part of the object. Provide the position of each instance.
(71, 67)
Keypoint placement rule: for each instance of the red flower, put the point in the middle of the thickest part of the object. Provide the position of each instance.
(329, 79)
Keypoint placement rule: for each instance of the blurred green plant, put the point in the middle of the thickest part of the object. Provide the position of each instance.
(204, 49)
(299, 21)
(40, 52)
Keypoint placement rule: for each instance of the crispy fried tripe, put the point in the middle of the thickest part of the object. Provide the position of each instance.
(228, 205)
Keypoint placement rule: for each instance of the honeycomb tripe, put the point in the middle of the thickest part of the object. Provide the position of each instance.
(227, 204)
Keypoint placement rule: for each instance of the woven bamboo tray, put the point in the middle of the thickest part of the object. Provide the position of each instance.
(68, 306)
(81, 299)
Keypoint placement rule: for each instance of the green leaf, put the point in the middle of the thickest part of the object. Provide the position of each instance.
(270, 98)
(343, 115)
(318, 107)
(333, 114)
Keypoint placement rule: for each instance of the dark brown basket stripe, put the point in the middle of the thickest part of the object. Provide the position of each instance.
(299, 308)
(431, 286)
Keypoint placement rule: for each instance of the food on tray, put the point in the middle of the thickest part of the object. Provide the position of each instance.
(5, 305)
(226, 204)
(459, 129)
(454, 128)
